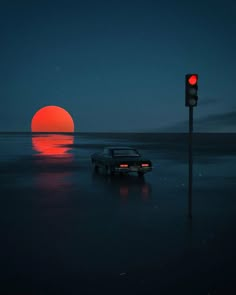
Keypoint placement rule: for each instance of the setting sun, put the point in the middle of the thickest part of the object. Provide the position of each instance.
(52, 119)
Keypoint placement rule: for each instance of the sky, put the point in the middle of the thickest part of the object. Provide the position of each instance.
(118, 66)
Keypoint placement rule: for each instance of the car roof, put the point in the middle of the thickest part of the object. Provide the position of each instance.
(119, 148)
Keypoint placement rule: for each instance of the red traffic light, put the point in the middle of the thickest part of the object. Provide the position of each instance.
(192, 80)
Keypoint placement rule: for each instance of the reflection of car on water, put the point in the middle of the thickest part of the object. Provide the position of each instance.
(120, 160)
(125, 185)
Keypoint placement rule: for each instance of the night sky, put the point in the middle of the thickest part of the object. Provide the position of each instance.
(118, 65)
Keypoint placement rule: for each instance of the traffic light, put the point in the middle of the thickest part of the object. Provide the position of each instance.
(191, 88)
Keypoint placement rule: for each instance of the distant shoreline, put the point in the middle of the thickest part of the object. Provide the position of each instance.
(117, 132)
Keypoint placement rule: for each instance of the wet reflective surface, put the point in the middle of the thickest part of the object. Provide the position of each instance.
(67, 230)
(52, 144)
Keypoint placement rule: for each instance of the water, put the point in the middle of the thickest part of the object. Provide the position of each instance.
(66, 230)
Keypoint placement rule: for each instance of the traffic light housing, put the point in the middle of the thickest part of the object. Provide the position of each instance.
(191, 88)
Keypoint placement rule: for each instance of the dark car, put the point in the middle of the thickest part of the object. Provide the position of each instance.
(120, 160)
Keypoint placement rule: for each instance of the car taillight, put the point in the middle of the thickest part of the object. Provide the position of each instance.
(123, 165)
(145, 165)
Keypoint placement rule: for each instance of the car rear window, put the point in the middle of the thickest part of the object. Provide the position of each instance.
(124, 153)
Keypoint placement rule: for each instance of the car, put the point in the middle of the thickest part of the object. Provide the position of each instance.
(120, 160)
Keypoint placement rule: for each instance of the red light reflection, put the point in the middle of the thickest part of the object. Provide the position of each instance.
(52, 144)
(124, 191)
(145, 192)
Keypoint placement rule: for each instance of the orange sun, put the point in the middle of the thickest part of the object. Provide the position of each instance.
(52, 119)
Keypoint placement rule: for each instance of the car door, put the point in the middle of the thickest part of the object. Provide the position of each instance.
(106, 156)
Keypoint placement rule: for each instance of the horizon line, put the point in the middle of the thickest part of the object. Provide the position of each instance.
(119, 132)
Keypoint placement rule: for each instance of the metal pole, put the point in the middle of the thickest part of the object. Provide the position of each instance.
(190, 159)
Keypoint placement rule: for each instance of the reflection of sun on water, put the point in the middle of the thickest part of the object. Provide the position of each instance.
(52, 119)
(53, 180)
(52, 144)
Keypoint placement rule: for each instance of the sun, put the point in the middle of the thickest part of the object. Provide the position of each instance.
(52, 119)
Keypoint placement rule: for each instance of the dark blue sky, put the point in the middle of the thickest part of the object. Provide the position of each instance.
(118, 65)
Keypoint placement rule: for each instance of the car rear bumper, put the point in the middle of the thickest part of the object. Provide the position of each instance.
(135, 169)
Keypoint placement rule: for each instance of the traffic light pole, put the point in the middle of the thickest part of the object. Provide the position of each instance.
(190, 163)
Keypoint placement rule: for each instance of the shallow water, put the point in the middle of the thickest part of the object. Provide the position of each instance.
(66, 230)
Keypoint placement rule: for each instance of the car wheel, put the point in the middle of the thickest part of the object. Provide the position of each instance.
(95, 168)
(109, 171)
(140, 173)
